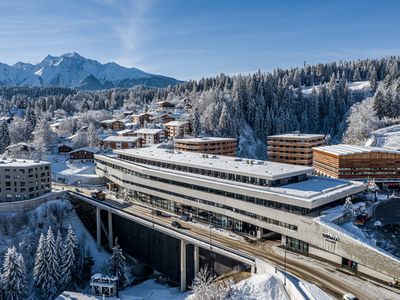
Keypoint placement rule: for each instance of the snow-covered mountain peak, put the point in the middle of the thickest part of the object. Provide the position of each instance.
(75, 71)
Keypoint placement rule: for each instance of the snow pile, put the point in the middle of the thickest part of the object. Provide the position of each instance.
(314, 291)
(152, 290)
(259, 287)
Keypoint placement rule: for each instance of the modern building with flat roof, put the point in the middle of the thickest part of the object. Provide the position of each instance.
(175, 129)
(22, 179)
(358, 162)
(150, 136)
(121, 142)
(209, 145)
(244, 195)
(251, 197)
(293, 148)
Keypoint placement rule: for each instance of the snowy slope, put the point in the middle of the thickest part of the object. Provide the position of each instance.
(73, 70)
(363, 86)
(387, 137)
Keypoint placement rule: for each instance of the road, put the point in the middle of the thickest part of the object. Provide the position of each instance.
(325, 277)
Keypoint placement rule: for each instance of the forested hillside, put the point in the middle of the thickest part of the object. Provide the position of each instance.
(251, 106)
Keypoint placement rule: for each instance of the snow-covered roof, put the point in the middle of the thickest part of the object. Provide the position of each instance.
(87, 149)
(117, 139)
(21, 162)
(310, 193)
(297, 136)
(176, 123)
(344, 149)
(246, 167)
(21, 144)
(205, 140)
(148, 131)
(109, 121)
(124, 131)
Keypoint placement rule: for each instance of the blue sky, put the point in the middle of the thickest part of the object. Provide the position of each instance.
(195, 38)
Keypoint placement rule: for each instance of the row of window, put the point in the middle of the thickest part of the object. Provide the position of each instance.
(210, 203)
(217, 174)
(254, 200)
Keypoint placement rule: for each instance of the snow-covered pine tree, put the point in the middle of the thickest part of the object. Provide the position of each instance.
(92, 135)
(69, 258)
(40, 268)
(13, 275)
(60, 253)
(5, 140)
(53, 276)
(43, 137)
(117, 264)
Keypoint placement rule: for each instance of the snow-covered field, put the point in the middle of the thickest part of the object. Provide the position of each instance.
(62, 170)
(388, 137)
(353, 86)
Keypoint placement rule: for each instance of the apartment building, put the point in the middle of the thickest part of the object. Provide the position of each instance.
(22, 179)
(121, 142)
(208, 145)
(175, 129)
(113, 124)
(293, 148)
(150, 136)
(142, 118)
(358, 162)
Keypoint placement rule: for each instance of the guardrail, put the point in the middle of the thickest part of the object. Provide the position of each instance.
(202, 242)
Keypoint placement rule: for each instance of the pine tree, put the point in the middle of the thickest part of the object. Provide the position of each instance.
(52, 266)
(379, 104)
(92, 135)
(60, 252)
(5, 140)
(117, 267)
(40, 268)
(13, 276)
(69, 255)
(196, 123)
(30, 120)
(43, 137)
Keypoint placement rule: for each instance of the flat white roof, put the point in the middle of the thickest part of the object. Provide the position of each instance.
(205, 140)
(344, 149)
(21, 162)
(297, 136)
(245, 167)
(148, 131)
(310, 193)
(124, 131)
(176, 123)
(115, 138)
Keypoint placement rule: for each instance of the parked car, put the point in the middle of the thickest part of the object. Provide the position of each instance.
(185, 218)
(156, 212)
(349, 296)
(176, 224)
(77, 190)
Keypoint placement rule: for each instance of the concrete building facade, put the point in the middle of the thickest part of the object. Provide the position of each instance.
(250, 197)
(175, 129)
(150, 136)
(209, 145)
(22, 179)
(293, 148)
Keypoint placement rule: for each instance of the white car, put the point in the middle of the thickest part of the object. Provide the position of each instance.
(349, 296)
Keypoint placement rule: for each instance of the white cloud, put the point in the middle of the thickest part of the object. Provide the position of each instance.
(133, 30)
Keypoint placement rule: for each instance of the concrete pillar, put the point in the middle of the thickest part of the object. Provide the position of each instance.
(98, 228)
(196, 259)
(183, 266)
(110, 231)
(253, 268)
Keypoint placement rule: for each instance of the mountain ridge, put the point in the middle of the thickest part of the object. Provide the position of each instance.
(72, 70)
